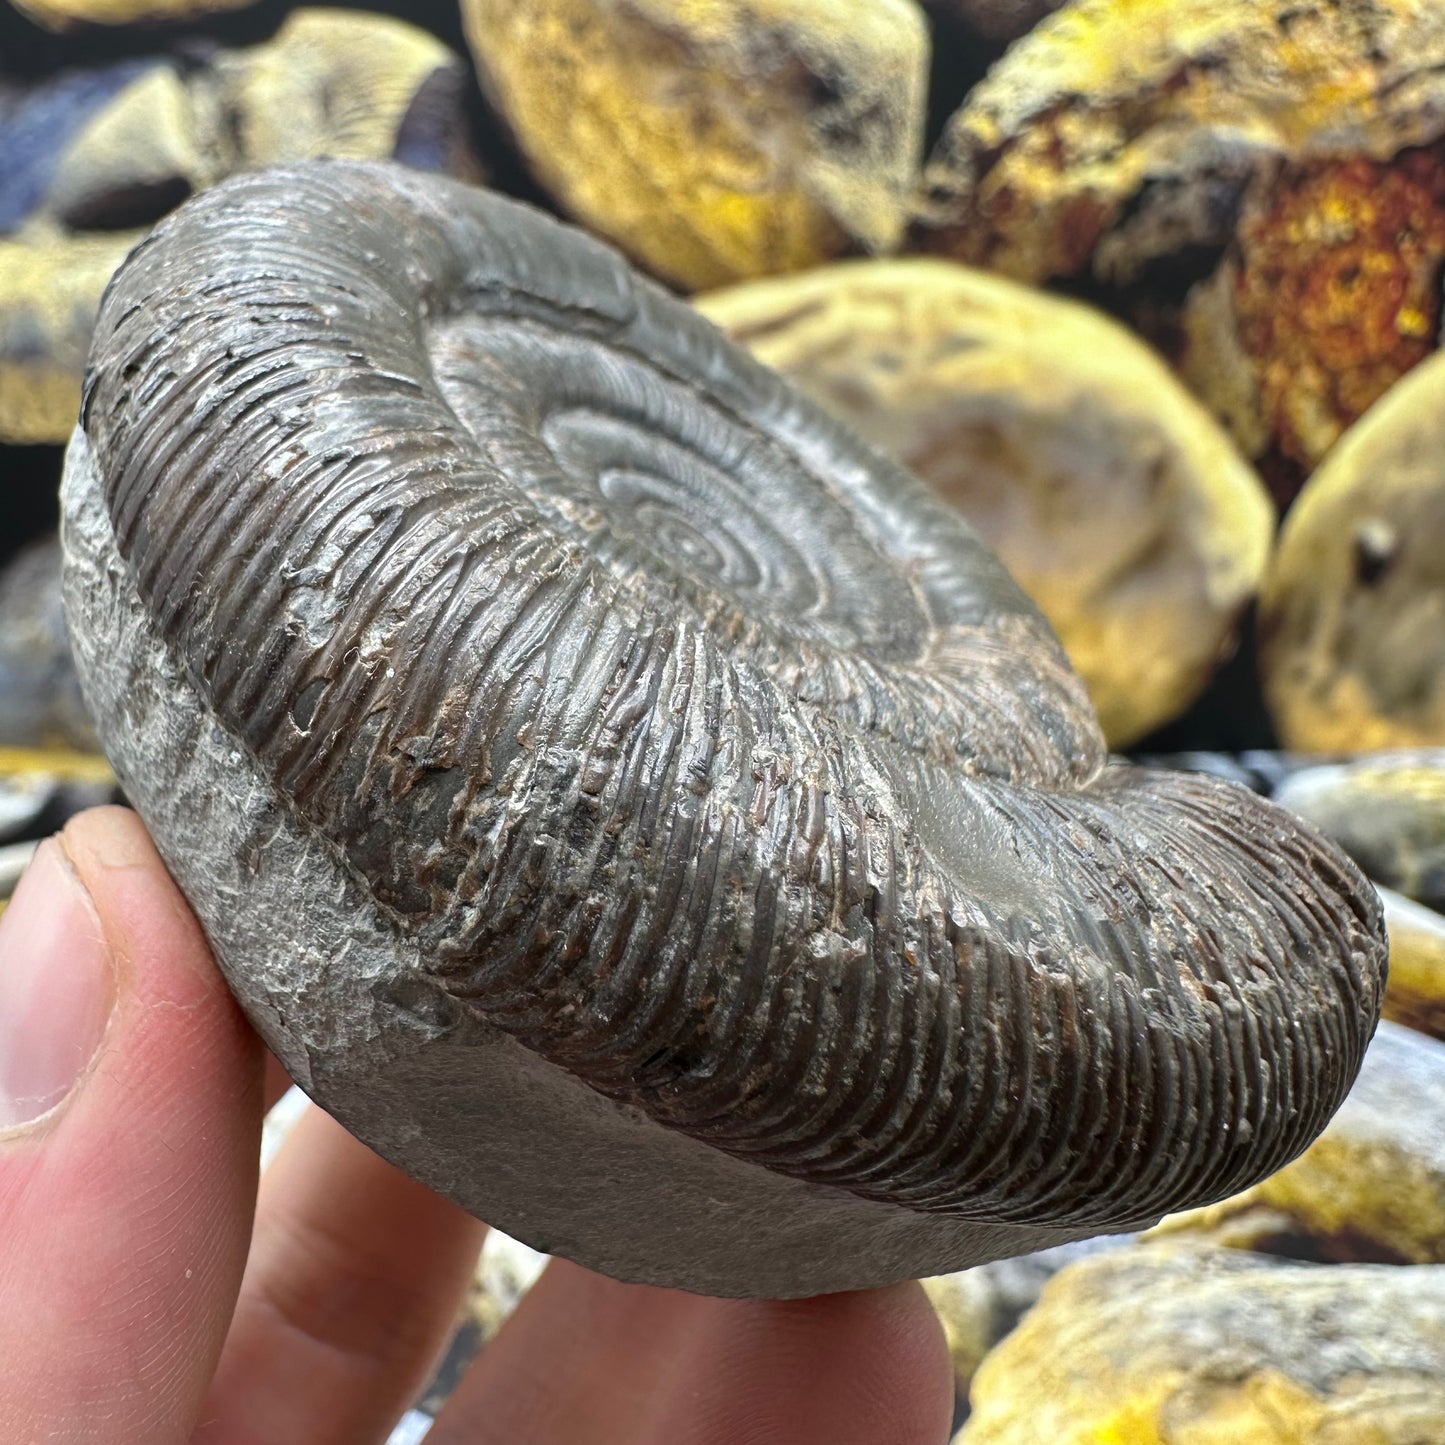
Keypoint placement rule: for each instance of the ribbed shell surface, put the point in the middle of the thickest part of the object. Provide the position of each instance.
(697, 745)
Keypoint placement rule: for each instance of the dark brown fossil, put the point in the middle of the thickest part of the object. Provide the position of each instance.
(632, 804)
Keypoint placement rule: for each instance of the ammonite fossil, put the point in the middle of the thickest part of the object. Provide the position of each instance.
(633, 805)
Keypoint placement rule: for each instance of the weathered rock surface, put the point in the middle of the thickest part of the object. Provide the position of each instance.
(1285, 157)
(978, 1307)
(1352, 615)
(1415, 994)
(50, 287)
(40, 701)
(715, 142)
(65, 14)
(1163, 1346)
(1110, 494)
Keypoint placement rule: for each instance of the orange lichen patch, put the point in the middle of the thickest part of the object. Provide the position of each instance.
(1337, 291)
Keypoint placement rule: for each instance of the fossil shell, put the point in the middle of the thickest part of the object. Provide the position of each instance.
(1109, 493)
(713, 141)
(1352, 614)
(1371, 1187)
(1386, 811)
(1286, 156)
(87, 159)
(633, 805)
(1165, 1346)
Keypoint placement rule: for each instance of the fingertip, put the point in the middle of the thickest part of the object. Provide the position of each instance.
(886, 1357)
(127, 1217)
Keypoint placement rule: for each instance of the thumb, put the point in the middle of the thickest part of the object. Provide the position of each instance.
(130, 1107)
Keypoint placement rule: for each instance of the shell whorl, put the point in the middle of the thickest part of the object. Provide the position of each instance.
(696, 745)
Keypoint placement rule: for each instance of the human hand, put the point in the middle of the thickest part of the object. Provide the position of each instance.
(150, 1296)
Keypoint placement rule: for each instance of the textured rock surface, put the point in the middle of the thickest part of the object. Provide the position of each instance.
(1387, 812)
(1159, 1346)
(1352, 615)
(92, 153)
(1372, 1187)
(714, 141)
(1109, 493)
(640, 809)
(978, 1307)
(1286, 156)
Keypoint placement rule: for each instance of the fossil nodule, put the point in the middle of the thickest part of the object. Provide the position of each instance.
(631, 804)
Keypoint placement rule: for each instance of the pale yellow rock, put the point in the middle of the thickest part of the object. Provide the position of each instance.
(1168, 1346)
(146, 141)
(1112, 496)
(714, 140)
(1415, 994)
(505, 1273)
(1352, 618)
(50, 286)
(963, 1303)
(329, 83)
(64, 14)
(1371, 1187)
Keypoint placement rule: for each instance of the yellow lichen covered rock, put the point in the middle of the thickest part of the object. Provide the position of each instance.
(1287, 156)
(1415, 994)
(50, 286)
(1371, 1187)
(1352, 619)
(714, 140)
(1170, 1346)
(1111, 495)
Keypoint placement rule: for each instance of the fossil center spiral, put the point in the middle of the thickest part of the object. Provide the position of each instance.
(671, 490)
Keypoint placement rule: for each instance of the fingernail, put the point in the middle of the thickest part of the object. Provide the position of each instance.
(57, 988)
